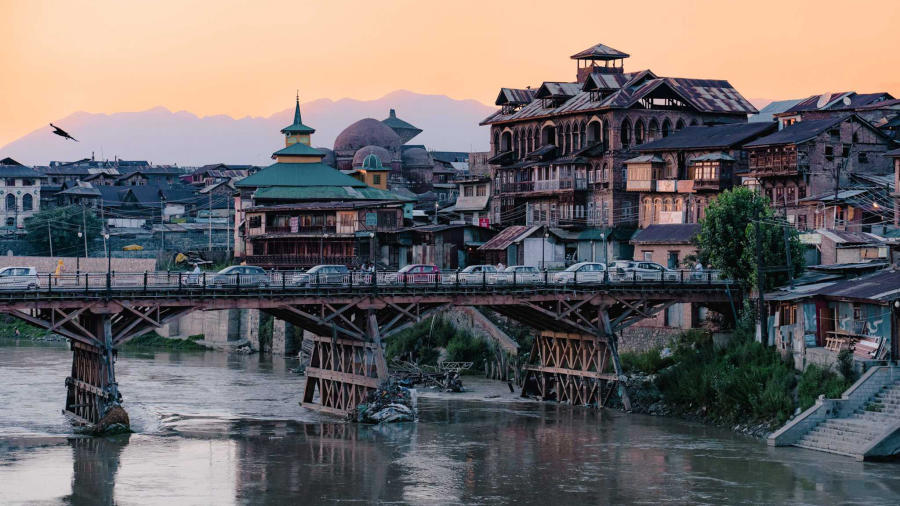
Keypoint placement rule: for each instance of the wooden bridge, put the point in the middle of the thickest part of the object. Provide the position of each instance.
(574, 359)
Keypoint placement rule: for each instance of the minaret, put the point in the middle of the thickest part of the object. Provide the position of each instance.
(297, 148)
(297, 131)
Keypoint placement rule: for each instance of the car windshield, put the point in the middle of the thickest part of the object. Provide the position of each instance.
(471, 268)
(408, 268)
(573, 268)
(229, 270)
(315, 269)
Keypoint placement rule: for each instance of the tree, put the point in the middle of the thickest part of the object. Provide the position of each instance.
(727, 239)
(64, 223)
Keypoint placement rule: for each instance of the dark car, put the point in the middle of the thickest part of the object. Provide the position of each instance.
(419, 274)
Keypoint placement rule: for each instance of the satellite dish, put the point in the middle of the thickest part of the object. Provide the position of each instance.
(846, 100)
(823, 100)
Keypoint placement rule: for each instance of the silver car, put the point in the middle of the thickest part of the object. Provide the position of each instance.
(19, 278)
(323, 275)
(652, 271)
(582, 272)
(471, 275)
(241, 276)
(517, 274)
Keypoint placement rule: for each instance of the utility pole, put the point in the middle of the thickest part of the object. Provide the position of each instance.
(84, 228)
(162, 224)
(229, 221)
(209, 220)
(105, 227)
(50, 236)
(760, 285)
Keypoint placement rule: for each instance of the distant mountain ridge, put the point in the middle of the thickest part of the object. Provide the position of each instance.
(165, 137)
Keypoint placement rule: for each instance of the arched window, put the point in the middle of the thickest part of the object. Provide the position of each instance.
(567, 140)
(506, 142)
(679, 204)
(679, 125)
(639, 132)
(537, 138)
(516, 143)
(647, 216)
(27, 202)
(10, 222)
(667, 205)
(548, 135)
(496, 142)
(582, 135)
(657, 207)
(10, 202)
(594, 132)
(653, 131)
(530, 135)
(666, 127)
(625, 133)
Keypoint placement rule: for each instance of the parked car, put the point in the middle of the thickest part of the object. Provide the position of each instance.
(473, 274)
(322, 275)
(419, 274)
(19, 278)
(241, 275)
(620, 270)
(652, 271)
(582, 272)
(518, 274)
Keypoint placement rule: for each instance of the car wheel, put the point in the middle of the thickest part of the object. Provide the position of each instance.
(32, 286)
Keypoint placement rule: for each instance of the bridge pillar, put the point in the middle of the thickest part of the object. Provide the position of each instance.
(570, 368)
(92, 394)
(342, 372)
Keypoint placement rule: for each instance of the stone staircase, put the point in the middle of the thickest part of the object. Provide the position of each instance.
(864, 423)
(852, 435)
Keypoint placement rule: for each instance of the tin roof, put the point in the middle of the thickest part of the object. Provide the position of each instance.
(599, 52)
(299, 174)
(298, 149)
(801, 131)
(508, 236)
(682, 233)
(514, 96)
(704, 137)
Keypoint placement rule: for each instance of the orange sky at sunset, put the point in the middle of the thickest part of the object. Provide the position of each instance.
(247, 57)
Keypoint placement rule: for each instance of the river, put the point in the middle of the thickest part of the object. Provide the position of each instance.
(214, 428)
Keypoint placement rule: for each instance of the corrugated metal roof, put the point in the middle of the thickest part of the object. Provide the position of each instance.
(682, 233)
(798, 132)
(767, 113)
(299, 149)
(514, 96)
(704, 137)
(599, 52)
(508, 236)
(299, 174)
(645, 159)
(324, 193)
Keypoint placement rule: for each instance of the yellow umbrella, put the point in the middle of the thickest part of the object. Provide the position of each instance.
(133, 247)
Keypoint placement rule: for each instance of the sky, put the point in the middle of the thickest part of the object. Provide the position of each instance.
(247, 58)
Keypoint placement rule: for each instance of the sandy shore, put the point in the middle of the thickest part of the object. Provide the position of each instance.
(478, 389)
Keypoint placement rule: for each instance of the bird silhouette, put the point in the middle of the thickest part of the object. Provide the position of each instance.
(62, 133)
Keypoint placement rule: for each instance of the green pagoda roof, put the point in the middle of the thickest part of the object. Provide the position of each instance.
(299, 174)
(372, 164)
(297, 127)
(299, 149)
(325, 193)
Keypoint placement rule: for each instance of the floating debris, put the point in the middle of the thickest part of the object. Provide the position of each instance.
(391, 402)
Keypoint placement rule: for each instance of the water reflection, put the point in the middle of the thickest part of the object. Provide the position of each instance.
(95, 463)
(224, 429)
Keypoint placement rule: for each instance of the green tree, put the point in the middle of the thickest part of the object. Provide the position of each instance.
(727, 238)
(64, 223)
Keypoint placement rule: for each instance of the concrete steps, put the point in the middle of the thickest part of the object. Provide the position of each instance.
(852, 434)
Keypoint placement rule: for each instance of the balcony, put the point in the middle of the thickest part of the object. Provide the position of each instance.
(773, 165)
(299, 261)
(711, 184)
(645, 185)
(271, 229)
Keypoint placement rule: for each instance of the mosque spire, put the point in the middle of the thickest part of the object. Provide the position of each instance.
(297, 127)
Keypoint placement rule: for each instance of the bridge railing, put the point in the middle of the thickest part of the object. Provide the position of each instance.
(299, 280)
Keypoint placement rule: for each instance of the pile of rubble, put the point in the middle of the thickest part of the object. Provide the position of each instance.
(390, 402)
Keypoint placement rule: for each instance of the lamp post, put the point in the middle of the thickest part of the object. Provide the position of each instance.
(544, 250)
(322, 246)
(108, 260)
(78, 258)
(372, 247)
(436, 207)
(605, 264)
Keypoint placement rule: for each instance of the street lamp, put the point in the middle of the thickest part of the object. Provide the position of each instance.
(78, 258)
(322, 246)
(108, 260)
(437, 206)
(372, 248)
(544, 250)
(605, 263)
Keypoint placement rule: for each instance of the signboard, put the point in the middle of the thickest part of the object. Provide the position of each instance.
(666, 185)
(484, 222)
(295, 224)
(371, 219)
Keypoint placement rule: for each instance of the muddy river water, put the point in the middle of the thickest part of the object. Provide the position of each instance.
(214, 428)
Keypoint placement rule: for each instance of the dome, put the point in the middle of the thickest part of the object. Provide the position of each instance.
(367, 132)
(329, 157)
(383, 155)
(417, 157)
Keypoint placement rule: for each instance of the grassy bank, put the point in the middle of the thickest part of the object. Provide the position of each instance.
(428, 340)
(743, 382)
(152, 340)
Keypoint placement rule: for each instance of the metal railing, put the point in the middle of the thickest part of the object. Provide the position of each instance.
(292, 281)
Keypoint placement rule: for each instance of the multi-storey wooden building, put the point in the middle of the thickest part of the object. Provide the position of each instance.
(559, 150)
(815, 158)
(677, 177)
(300, 212)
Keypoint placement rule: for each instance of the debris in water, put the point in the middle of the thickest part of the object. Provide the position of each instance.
(391, 402)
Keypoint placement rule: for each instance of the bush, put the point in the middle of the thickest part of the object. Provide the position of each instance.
(816, 381)
(464, 347)
(648, 362)
(745, 380)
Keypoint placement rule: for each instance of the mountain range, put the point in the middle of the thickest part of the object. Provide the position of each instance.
(165, 137)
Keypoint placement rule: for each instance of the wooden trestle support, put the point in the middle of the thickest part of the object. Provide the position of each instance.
(570, 368)
(93, 400)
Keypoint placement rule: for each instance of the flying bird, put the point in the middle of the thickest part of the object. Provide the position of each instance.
(62, 133)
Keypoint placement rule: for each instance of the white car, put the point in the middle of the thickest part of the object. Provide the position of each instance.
(18, 278)
(519, 275)
(651, 271)
(472, 275)
(582, 272)
(241, 275)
